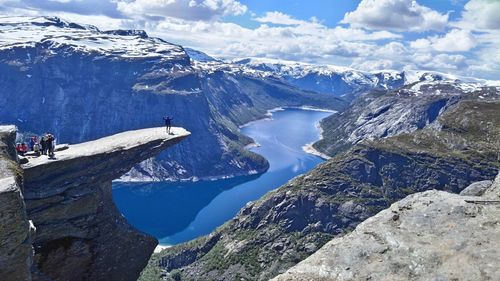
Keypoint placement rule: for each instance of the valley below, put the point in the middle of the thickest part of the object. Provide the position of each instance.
(179, 212)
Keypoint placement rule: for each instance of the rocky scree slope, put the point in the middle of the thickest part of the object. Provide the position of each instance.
(287, 225)
(381, 114)
(16, 231)
(432, 235)
(81, 83)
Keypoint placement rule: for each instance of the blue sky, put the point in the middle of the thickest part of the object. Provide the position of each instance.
(453, 36)
(330, 12)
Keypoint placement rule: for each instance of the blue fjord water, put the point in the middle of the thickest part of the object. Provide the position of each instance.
(179, 212)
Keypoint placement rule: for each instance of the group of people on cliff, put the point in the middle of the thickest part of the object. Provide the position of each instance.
(39, 146)
(47, 143)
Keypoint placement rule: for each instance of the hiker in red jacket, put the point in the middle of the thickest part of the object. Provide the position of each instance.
(21, 148)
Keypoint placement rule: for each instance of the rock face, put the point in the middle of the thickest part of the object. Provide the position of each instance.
(16, 231)
(432, 235)
(287, 225)
(80, 233)
(389, 113)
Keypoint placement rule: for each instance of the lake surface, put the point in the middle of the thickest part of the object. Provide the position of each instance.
(179, 212)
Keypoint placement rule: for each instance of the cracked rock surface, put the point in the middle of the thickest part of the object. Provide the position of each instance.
(433, 235)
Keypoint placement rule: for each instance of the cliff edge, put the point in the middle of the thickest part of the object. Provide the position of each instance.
(16, 251)
(80, 233)
(433, 235)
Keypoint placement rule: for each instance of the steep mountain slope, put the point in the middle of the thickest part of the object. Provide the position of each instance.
(81, 83)
(287, 225)
(383, 114)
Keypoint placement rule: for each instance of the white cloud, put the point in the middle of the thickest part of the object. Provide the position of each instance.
(481, 14)
(398, 15)
(184, 9)
(3, 2)
(307, 40)
(446, 61)
(278, 18)
(373, 64)
(65, 1)
(457, 40)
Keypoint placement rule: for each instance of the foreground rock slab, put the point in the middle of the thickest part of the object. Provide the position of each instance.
(81, 235)
(432, 235)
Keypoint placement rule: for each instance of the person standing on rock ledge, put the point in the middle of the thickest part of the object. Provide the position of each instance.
(168, 123)
(50, 144)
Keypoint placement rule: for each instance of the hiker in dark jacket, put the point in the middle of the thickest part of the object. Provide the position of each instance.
(168, 123)
(43, 144)
(32, 143)
(50, 144)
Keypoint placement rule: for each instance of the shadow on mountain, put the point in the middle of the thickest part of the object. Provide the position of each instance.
(179, 203)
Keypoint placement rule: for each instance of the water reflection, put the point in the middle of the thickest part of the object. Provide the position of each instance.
(162, 209)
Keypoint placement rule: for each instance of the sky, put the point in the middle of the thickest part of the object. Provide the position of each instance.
(459, 37)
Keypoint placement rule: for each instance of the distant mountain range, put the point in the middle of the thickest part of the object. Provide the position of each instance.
(340, 81)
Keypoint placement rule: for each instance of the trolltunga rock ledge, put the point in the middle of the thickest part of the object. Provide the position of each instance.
(80, 233)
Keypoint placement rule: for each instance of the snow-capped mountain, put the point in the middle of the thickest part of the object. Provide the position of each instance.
(329, 79)
(200, 56)
(337, 80)
(340, 81)
(53, 32)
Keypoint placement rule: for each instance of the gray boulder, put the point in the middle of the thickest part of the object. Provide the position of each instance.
(477, 188)
(432, 235)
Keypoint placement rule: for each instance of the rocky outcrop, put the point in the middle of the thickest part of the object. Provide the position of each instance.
(432, 235)
(477, 188)
(16, 230)
(287, 225)
(80, 233)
